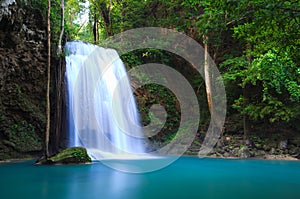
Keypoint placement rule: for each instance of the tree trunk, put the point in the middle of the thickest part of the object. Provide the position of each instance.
(95, 29)
(207, 77)
(48, 82)
(56, 138)
(109, 17)
(59, 47)
(105, 11)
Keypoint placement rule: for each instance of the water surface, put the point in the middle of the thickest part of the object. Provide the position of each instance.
(188, 177)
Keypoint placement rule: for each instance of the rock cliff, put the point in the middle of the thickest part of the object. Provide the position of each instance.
(23, 59)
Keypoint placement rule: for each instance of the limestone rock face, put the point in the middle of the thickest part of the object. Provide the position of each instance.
(23, 59)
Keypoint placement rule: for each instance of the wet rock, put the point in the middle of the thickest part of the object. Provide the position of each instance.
(235, 152)
(293, 150)
(266, 147)
(244, 152)
(283, 144)
(276, 146)
(259, 153)
(258, 146)
(272, 151)
(220, 143)
(226, 154)
(220, 150)
(249, 143)
(212, 155)
(280, 157)
(74, 155)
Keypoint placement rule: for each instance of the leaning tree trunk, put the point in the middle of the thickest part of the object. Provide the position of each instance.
(48, 82)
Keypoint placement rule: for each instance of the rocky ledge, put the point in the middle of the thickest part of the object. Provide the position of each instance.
(270, 147)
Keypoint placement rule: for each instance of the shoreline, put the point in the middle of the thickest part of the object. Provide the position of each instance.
(15, 160)
(257, 158)
(270, 158)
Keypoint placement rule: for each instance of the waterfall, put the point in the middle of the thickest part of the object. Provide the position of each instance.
(102, 112)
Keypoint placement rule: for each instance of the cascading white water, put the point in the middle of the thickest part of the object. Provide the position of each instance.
(102, 113)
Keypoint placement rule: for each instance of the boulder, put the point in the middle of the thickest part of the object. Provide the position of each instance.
(280, 157)
(74, 155)
(244, 152)
(283, 144)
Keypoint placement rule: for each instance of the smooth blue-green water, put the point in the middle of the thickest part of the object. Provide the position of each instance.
(188, 177)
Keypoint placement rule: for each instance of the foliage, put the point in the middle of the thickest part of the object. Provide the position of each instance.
(23, 135)
(268, 32)
(77, 25)
(255, 44)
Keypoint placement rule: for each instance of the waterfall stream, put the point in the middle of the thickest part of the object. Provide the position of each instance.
(102, 112)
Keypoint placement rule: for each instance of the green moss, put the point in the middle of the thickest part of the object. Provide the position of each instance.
(24, 137)
(74, 155)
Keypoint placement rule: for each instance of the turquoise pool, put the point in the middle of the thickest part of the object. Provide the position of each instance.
(188, 177)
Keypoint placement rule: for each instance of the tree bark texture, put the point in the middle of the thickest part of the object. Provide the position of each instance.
(48, 81)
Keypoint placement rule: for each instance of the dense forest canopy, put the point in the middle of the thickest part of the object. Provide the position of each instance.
(255, 44)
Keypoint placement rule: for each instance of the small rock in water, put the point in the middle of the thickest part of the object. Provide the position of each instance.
(74, 155)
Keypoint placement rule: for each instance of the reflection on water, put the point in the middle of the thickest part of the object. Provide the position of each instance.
(186, 178)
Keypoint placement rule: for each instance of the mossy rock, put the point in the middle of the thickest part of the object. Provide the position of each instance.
(74, 155)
